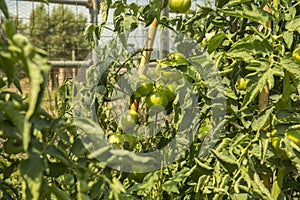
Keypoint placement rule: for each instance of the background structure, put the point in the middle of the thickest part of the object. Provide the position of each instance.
(58, 27)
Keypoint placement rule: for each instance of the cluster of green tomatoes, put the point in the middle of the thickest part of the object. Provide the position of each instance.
(156, 95)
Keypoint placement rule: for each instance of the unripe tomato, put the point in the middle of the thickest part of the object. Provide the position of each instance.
(144, 89)
(120, 139)
(130, 139)
(144, 86)
(168, 90)
(128, 120)
(179, 6)
(115, 139)
(157, 98)
(296, 55)
(276, 144)
(242, 85)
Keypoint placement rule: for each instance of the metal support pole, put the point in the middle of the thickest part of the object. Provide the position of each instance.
(164, 37)
(69, 2)
(70, 64)
(94, 20)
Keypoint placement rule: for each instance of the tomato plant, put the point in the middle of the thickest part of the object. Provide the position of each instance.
(241, 157)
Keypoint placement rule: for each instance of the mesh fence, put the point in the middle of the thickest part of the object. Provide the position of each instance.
(58, 28)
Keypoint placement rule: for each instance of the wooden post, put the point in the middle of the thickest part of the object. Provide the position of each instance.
(146, 55)
(263, 103)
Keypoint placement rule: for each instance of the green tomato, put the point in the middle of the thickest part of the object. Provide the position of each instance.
(179, 6)
(276, 144)
(128, 120)
(144, 86)
(168, 90)
(114, 139)
(144, 89)
(242, 85)
(157, 98)
(296, 55)
(130, 139)
(120, 139)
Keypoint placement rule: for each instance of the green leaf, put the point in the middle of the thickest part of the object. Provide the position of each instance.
(262, 118)
(149, 181)
(249, 48)
(38, 68)
(288, 38)
(292, 67)
(203, 165)
(82, 196)
(242, 196)
(82, 186)
(59, 194)
(235, 2)
(7, 64)
(13, 114)
(221, 3)
(89, 34)
(56, 153)
(78, 148)
(293, 25)
(215, 42)
(150, 12)
(254, 13)
(104, 8)
(170, 185)
(117, 186)
(258, 79)
(31, 171)
(4, 9)
(57, 169)
(9, 28)
(228, 162)
(261, 186)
